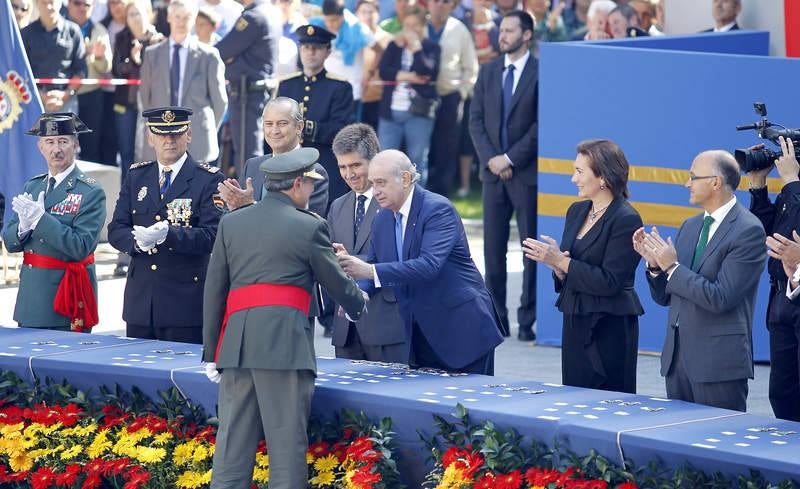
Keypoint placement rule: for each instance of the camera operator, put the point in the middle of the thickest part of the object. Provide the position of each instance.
(780, 221)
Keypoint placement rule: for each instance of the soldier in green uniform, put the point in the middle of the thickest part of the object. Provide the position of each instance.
(56, 223)
(265, 262)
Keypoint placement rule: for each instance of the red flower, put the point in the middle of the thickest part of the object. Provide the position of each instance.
(69, 476)
(115, 466)
(94, 467)
(487, 481)
(470, 464)
(451, 455)
(628, 485)
(585, 484)
(43, 478)
(70, 415)
(565, 476)
(347, 433)
(319, 449)
(11, 414)
(262, 447)
(18, 476)
(136, 479)
(541, 477)
(362, 450)
(364, 479)
(512, 480)
(92, 481)
(208, 434)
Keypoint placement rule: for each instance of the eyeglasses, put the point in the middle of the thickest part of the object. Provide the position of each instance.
(693, 177)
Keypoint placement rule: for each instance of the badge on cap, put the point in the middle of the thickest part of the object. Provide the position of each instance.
(168, 116)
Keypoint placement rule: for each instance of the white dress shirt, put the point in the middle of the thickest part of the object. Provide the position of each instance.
(519, 65)
(718, 216)
(176, 167)
(183, 53)
(368, 195)
(725, 28)
(405, 210)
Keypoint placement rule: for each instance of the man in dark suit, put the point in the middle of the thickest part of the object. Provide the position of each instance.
(419, 248)
(708, 278)
(166, 218)
(326, 100)
(283, 129)
(380, 334)
(506, 143)
(725, 13)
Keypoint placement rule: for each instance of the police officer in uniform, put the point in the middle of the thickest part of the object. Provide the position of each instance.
(250, 53)
(326, 101)
(255, 325)
(166, 219)
(56, 224)
(783, 317)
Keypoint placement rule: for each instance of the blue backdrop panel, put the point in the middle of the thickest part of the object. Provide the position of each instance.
(662, 107)
(754, 43)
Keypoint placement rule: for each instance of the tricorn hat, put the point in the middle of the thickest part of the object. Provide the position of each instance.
(58, 124)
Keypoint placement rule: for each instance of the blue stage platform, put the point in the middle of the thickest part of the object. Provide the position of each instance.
(617, 425)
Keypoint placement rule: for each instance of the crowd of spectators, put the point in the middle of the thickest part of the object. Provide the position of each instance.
(379, 49)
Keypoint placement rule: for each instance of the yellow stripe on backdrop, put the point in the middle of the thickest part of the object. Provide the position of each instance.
(556, 205)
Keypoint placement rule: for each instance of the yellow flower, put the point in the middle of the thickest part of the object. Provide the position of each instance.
(201, 454)
(138, 436)
(9, 430)
(11, 446)
(323, 479)
(327, 463)
(162, 438)
(79, 431)
(183, 453)
(150, 455)
(71, 452)
(99, 446)
(125, 446)
(261, 475)
(206, 478)
(309, 458)
(262, 460)
(20, 462)
(190, 480)
(41, 453)
(453, 478)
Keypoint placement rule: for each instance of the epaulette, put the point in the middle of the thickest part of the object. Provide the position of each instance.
(37, 177)
(141, 164)
(332, 76)
(208, 168)
(311, 213)
(289, 76)
(87, 179)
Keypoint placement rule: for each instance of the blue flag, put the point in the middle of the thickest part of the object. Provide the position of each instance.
(20, 108)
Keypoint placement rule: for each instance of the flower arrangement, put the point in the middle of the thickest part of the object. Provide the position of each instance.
(55, 436)
(468, 455)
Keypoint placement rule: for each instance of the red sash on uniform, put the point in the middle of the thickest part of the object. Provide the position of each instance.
(75, 296)
(261, 295)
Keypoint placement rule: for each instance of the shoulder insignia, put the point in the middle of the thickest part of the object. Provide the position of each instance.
(311, 213)
(242, 24)
(87, 179)
(209, 168)
(141, 164)
(332, 76)
(289, 76)
(37, 177)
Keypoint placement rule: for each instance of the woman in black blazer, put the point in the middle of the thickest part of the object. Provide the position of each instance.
(594, 270)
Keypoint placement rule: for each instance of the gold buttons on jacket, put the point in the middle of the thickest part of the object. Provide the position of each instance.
(196, 279)
(154, 267)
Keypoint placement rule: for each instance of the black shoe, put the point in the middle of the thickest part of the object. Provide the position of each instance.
(526, 334)
(328, 333)
(121, 270)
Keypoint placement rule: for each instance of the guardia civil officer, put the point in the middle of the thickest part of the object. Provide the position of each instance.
(56, 224)
(166, 219)
(325, 100)
(265, 263)
(250, 53)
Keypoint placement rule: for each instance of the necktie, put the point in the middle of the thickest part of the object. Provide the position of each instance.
(398, 235)
(51, 184)
(508, 92)
(359, 216)
(175, 75)
(166, 179)
(701, 244)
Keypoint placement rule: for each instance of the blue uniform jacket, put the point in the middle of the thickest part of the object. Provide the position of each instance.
(167, 282)
(437, 283)
(69, 231)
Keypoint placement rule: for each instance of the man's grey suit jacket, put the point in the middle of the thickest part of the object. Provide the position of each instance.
(382, 324)
(318, 203)
(203, 91)
(712, 302)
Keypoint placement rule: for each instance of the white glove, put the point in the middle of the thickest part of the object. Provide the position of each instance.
(212, 373)
(29, 211)
(148, 237)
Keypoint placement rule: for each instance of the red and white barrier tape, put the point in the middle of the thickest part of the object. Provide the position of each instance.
(86, 81)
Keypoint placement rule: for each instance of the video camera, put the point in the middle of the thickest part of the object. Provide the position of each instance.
(758, 159)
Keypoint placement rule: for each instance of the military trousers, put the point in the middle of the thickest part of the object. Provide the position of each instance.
(274, 404)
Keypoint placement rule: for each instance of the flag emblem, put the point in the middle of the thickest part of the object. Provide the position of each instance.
(13, 93)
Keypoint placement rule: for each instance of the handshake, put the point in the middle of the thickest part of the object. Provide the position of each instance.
(28, 210)
(148, 237)
(355, 268)
(659, 254)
